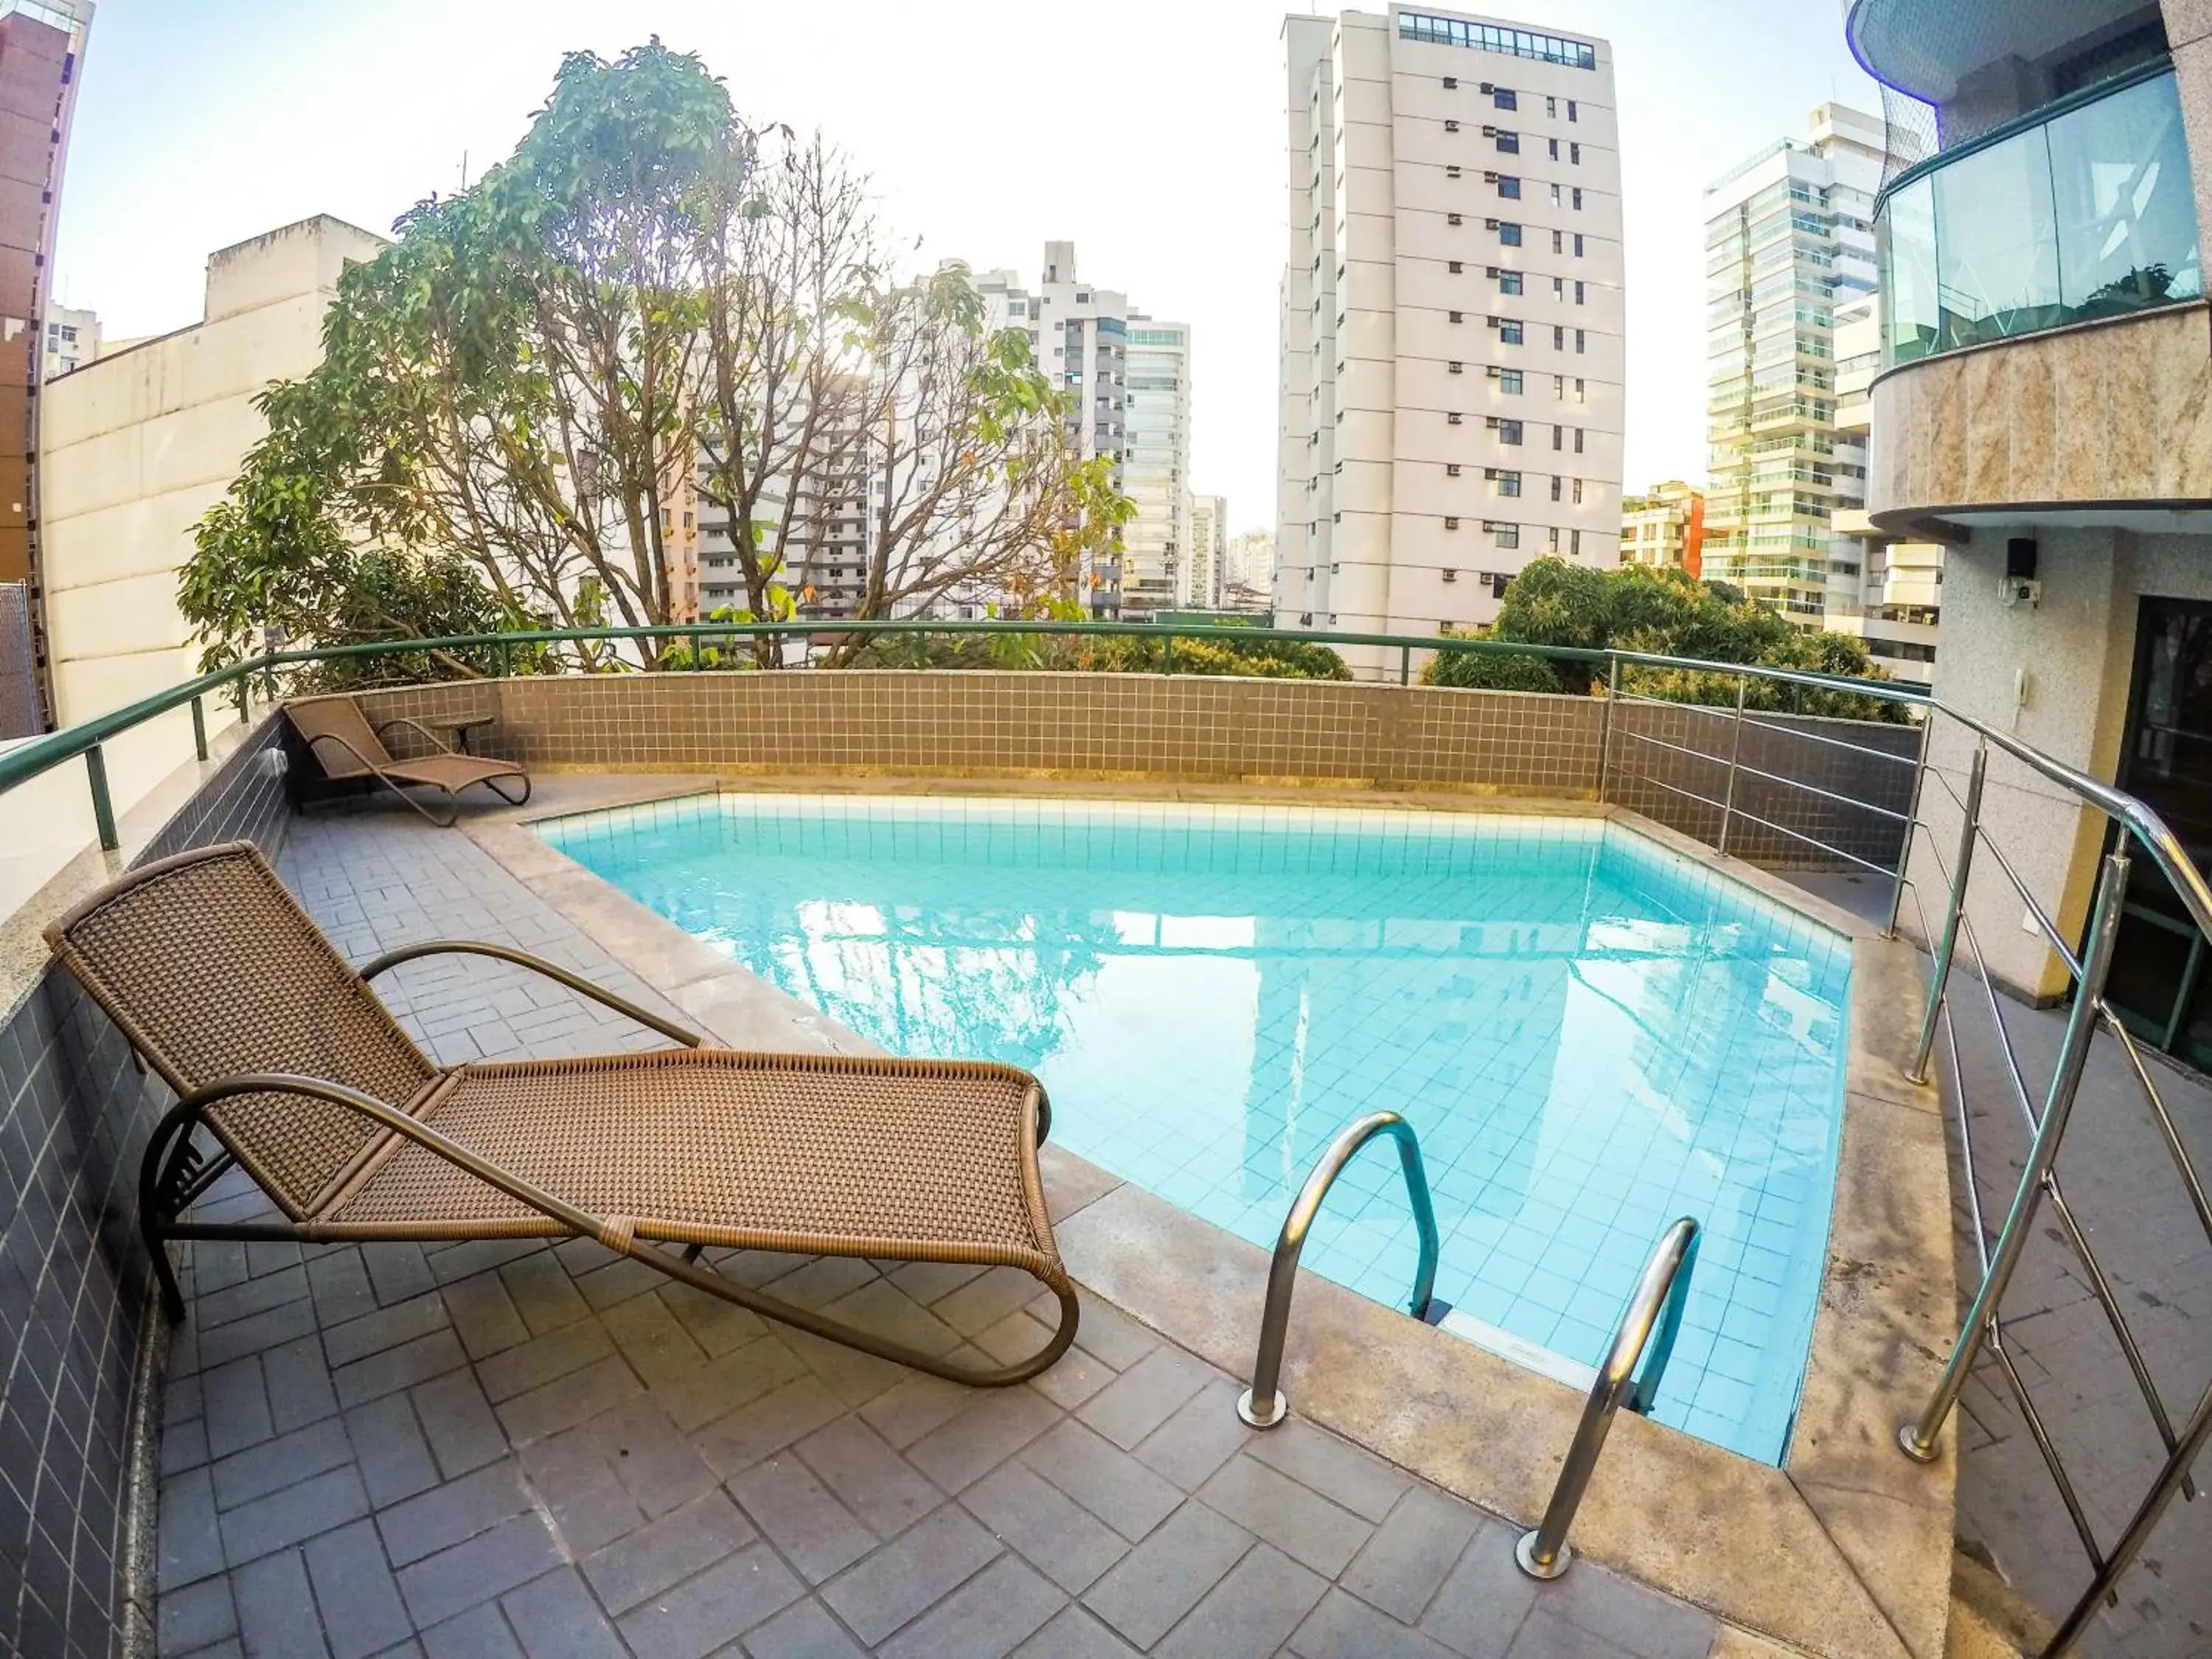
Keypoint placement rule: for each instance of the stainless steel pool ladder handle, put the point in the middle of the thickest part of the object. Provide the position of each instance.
(1262, 1405)
(1542, 1552)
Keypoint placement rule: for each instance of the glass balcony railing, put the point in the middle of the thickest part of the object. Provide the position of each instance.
(2088, 213)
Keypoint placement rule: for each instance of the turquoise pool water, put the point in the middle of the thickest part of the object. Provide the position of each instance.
(1592, 1035)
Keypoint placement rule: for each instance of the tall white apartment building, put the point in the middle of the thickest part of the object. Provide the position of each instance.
(1131, 372)
(1248, 571)
(1788, 242)
(1203, 572)
(1451, 316)
(1887, 594)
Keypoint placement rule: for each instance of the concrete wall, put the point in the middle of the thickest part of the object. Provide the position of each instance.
(138, 445)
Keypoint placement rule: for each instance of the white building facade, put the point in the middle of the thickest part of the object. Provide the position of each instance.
(72, 341)
(1451, 316)
(1202, 571)
(1884, 592)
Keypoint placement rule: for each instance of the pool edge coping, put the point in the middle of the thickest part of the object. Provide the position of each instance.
(1846, 1515)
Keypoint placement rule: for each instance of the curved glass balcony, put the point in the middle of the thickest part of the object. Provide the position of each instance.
(2089, 212)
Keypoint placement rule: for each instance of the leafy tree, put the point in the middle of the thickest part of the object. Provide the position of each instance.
(1660, 613)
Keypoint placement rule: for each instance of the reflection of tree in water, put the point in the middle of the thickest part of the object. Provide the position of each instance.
(993, 982)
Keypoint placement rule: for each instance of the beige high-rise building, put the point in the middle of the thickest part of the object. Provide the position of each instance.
(1885, 591)
(1209, 542)
(1663, 526)
(1451, 316)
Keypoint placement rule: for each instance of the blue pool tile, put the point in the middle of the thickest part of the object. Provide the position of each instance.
(1591, 1035)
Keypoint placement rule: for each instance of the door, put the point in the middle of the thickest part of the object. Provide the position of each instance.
(2162, 977)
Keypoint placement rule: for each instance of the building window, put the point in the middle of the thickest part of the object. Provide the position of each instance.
(1555, 196)
(1509, 381)
(1497, 581)
(1579, 199)
(1556, 483)
(1508, 331)
(1509, 281)
(1575, 542)
(1573, 112)
(1556, 248)
(1451, 83)
(1552, 107)
(1580, 391)
(1578, 482)
(1578, 447)
(1452, 172)
(1504, 98)
(1578, 245)
(1508, 432)
(1558, 288)
(1509, 143)
(1558, 437)
(1559, 387)
(1555, 149)
(1456, 367)
(1582, 339)
(1457, 316)
(1581, 297)
(1509, 188)
(1575, 155)
(1509, 234)
(1455, 267)
(1451, 469)
(1558, 339)
(1509, 483)
(1555, 541)
(1502, 534)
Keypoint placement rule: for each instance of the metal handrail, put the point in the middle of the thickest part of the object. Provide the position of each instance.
(1657, 1306)
(1263, 1404)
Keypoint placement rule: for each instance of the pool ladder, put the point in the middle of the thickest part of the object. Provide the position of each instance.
(1648, 1325)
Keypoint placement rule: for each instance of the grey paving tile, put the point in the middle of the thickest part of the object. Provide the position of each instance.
(741, 1439)
(929, 1281)
(444, 1516)
(854, 1377)
(804, 1630)
(387, 1327)
(990, 1429)
(275, 1610)
(1104, 1331)
(705, 1613)
(1626, 1614)
(985, 1300)
(1145, 1396)
(1544, 1635)
(1352, 1478)
(458, 1422)
(188, 1546)
(718, 1327)
(1054, 1533)
(1073, 1378)
(568, 1400)
(484, 1314)
(1342, 1627)
(657, 1463)
(881, 1307)
(300, 1388)
(986, 1618)
(196, 1616)
(353, 1590)
(1407, 1560)
(1166, 1576)
(695, 1398)
(657, 1344)
(917, 1404)
(556, 1617)
(394, 1458)
(1300, 1523)
(868, 1477)
(293, 1515)
(1105, 1479)
(214, 1309)
(402, 1367)
(1204, 1433)
(1249, 1613)
(540, 1360)
(807, 1525)
(1075, 1634)
(910, 1573)
(543, 1292)
(1484, 1598)
(667, 1551)
(274, 1464)
(237, 1407)
(339, 1284)
(485, 1566)
(479, 1632)
(398, 1271)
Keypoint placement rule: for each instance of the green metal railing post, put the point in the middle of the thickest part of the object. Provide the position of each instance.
(200, 730)
(103, 809)
(506, 660)
(1167, 655)
(1405, 664)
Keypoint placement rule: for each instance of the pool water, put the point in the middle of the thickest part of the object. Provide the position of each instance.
(1592, 1035)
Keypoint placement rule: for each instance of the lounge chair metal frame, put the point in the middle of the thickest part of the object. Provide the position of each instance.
(175, 1172)
(367, 761)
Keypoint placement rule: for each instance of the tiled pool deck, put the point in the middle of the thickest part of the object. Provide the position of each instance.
(519, 1449)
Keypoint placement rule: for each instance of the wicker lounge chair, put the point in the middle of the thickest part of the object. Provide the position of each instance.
(221, 980)
(346, 746)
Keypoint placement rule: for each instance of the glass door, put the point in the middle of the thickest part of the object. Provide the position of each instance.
(2162, 977)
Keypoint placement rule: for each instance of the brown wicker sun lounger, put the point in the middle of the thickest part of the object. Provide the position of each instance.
(228, 988)
(345, 745)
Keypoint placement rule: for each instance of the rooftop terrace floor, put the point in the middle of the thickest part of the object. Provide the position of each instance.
(525, 1449)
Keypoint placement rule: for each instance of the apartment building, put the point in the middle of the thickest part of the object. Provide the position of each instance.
(1664, 527)
(1451, 316)
(72, 341)
(1203, 569)
(1789, 238)
(1886, 591)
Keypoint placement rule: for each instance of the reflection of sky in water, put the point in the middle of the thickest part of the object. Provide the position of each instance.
(1591, 1036)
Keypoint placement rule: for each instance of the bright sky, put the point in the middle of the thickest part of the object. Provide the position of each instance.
(1149, 131)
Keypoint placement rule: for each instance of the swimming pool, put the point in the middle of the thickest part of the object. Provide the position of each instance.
(1591, 1034)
